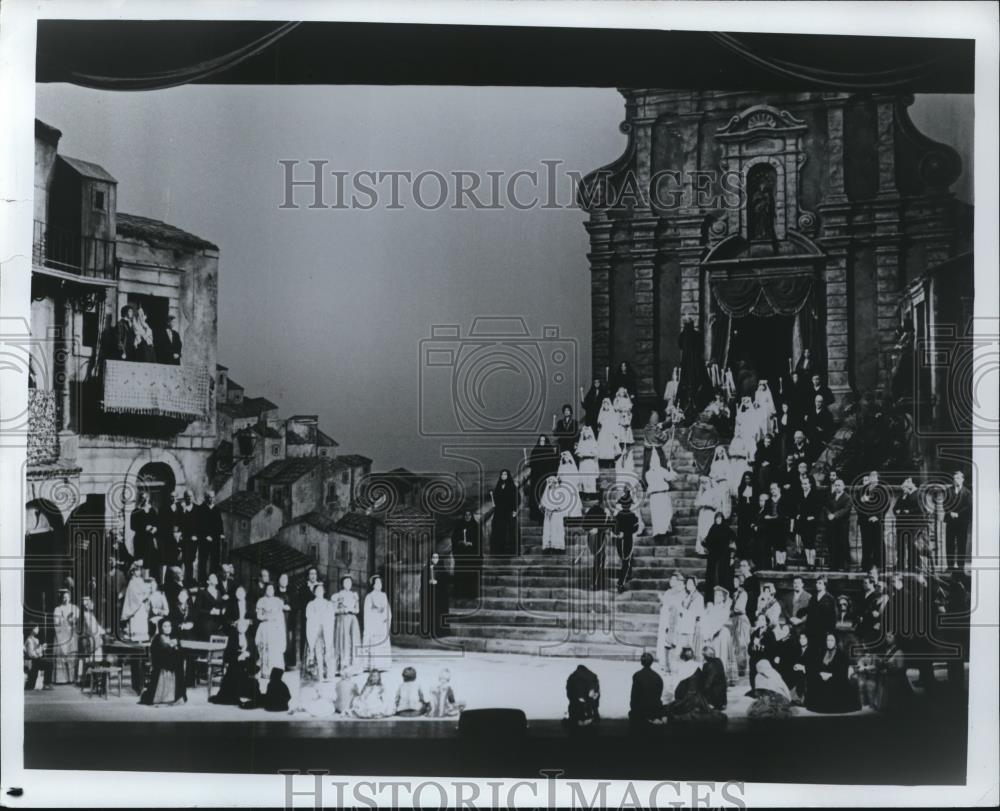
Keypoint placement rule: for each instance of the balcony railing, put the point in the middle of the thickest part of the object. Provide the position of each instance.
(156, 389)
(72, 252)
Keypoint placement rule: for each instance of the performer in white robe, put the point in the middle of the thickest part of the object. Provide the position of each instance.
(135, 606)
(716, 630)
(745, 431)
(321, 617)
(623, 405)
(720, 471)
(764, 398)
(586, 452)
(658, 479)
(689, 615)
(625, 477)
(568, 470)
(760, 422)
(609, 435)
(559, 500)
(65, 619)
(670, 392)
(707, 504)
(670, 603)
(271, 638)
(376, 645)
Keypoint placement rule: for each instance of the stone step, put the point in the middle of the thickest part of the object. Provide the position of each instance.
(606, 601)
(584, 649)
(577, 618)
(528, 632)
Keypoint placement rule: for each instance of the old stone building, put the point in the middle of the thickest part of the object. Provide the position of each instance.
(104, 429)
(775, 222)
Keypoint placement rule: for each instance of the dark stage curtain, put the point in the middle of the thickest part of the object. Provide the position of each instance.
(784, 295)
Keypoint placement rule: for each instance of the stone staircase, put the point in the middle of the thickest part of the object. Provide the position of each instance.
(544, 605)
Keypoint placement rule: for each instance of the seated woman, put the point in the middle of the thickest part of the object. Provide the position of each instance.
(443, 702)
(167, 683)
(690, 702)
(892, 690)
(828, 688)
(584, 693)
(239, 680)
(771, 696)
(278, 696)
(371, 701)
(410, 701)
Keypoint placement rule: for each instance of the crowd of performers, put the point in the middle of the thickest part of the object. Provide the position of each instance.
(813, 650)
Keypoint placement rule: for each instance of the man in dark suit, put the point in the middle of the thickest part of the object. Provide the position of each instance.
(210, 536)
(144, 524)
(125, 333)
(645, 703)
(838, 517)
(872, 507)
(801, 605)
(818, 423)
(809, 511)
(822, 619)
(869, 623)
(818, 388)
(626, 526)
(187, 520)
(911, 524)
(168, 343)
(751, 585)
(957, 517)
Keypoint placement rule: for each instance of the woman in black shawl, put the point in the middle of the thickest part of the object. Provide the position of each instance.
(746, 515)
(543, 461)
(624, 378)
(717, 543)
(503, 539)
(166, 686)
(591, 402)
(691, 703)
(239, 680)
(828, 688)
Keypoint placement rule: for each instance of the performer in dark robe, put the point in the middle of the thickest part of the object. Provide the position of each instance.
(166, 686)
(809, 513)
(646, 700)
(911, 525)
(277, 696)
(838, 526)
(873, 504)
(239, 679)
(746, 514)
(623, 377)
(626, 526)
(694, 379)
(503, 531)
(584, 693)
(703, 439)
(801, 658)
(746, 380)
(718, 542)
(828, 688)
(184, 620)
(713, 678)
(566, 431)
(543, 462)
(145, 525)
(957, 518)
(690, 702)
(466, 549)
(822, 618)
(434, 596)
(597, 523)
(211, 535)
(591, 402)
(211, 608)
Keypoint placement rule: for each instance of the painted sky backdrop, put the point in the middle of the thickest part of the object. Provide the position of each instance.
(322, 310)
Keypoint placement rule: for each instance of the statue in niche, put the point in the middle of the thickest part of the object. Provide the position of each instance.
(761, 204)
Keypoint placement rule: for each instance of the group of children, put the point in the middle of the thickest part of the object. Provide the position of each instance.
(373, 700)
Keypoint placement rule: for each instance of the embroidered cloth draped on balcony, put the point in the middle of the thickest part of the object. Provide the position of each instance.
(43, 436)
(157, 389)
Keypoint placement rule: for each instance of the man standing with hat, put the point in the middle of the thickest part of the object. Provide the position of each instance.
(626, 526)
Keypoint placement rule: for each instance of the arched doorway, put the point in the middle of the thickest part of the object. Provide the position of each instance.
(157, 480)
(47, 560)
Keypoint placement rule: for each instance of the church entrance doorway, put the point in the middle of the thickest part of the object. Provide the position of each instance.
(764, 343)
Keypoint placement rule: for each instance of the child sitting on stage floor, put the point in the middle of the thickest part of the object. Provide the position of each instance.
(347, 691)
(409, 697)
(443, 703)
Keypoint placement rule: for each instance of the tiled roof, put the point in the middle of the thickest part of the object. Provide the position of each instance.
(220, 368)
(155, 231)
(250, 407)
(325, 440)
(262, 403)
(303, 418)
(295, 438)
(232, 384)
(353, 460)
(46, 131)
(245, 504)
(286, 471)
(88, 169)
(268, 431)
(274, 556)
(357, 525)
(323, 523)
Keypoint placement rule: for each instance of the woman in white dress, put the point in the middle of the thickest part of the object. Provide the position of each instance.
(666, 632)
(270, 638)
(707, 505)
(720, 471)
(66, 617)
(376, 644)
(670, 392)
(586, 452)
(347, 636)
(609, 434)
(135, 606)
(559, 500)
(716, 630)
(745, 431)
(623, 405)
(321, 616)
(689, 616)
(764, 398)
(91, 632)
(568, 470)
(658, 479)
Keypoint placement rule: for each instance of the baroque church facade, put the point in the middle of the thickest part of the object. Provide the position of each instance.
(775, 223)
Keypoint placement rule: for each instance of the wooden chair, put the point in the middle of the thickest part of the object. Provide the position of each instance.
(212, 661)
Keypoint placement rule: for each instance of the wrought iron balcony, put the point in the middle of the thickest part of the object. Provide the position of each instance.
(72, 252)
